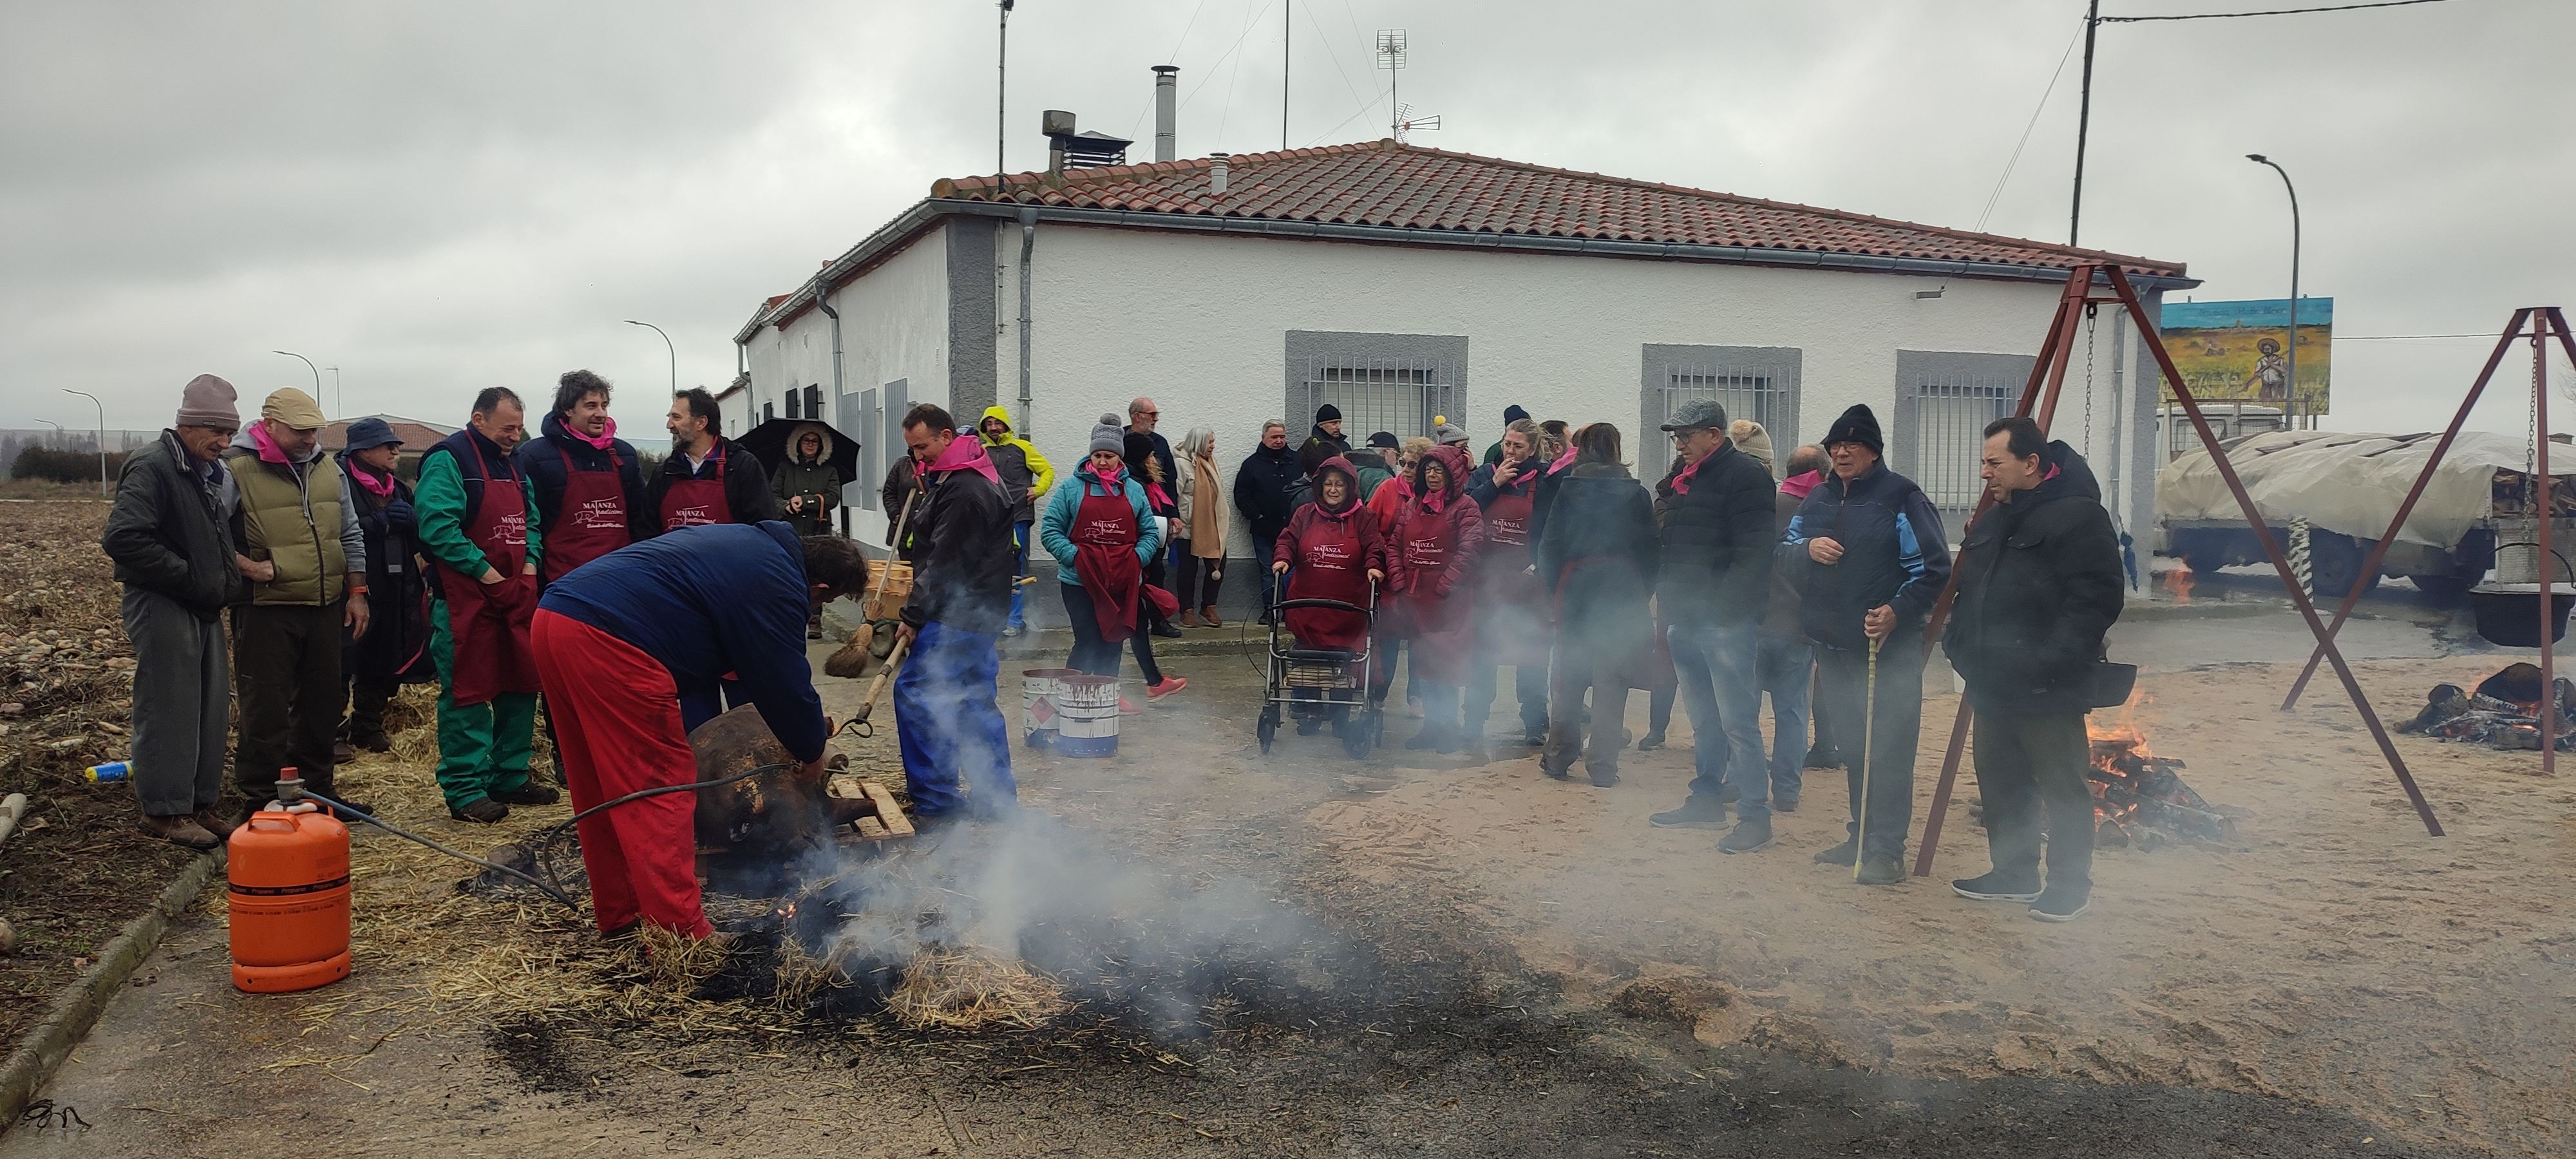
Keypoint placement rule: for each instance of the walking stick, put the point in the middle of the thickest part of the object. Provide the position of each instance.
(1869, 716)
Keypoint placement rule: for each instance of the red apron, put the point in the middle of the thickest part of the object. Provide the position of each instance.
(487, 627)
(1104, 559)
(591, 522)
(1441, 627)
(1511, 606)
(691, 502)
(1328, 564)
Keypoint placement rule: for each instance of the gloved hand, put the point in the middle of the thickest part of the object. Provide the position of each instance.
(398, 515)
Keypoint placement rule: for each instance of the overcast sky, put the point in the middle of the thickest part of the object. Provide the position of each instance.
(440, 197)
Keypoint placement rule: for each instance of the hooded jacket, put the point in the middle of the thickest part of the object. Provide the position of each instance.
(746, 484)
(292, 515)
(1313, 546)
(1457, 515)
(1265, 490)
(811, 478)
(1026, 474)
(1055, 528)
(963, 562)
(1719, 529)
(166, 532)
(2039, 587)
(1894, 554)
(541, 463)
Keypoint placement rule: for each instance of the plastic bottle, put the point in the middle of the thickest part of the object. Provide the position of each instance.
(111, 771)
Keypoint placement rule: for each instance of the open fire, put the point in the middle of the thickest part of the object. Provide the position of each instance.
(2140, 798)
(2179, 581)
(2502, 712)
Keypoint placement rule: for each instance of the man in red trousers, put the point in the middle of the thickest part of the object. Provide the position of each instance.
(629, 650)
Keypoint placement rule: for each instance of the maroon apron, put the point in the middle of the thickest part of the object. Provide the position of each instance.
(1104, 559)
(1441, 627)
(1329, 563)
(487, 626)
(1511, 606)
(692, 502)
(591, 522)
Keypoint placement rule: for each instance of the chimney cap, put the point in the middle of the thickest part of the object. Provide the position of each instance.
(1053, 122)
(1167, 68)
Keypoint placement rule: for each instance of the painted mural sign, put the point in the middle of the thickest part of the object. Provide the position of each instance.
(2235, 352)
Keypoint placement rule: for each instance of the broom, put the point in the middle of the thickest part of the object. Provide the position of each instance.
(852, 659)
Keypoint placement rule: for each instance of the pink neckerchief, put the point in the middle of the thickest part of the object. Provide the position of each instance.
(1682, 479)
(1797, 486)
(367, 479)
(1562, 462)
(607, 435)
(964, 454)
(269, 451)
(1112, 481)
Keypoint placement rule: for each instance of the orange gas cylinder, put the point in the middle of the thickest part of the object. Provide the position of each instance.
(290, 901)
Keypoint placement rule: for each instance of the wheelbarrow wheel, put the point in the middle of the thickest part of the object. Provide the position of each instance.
(1268, 728)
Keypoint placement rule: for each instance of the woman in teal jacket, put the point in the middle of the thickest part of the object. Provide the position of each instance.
(1101, 532)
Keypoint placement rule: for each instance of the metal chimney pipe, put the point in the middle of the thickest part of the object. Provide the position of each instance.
(1166, 92)
(1216, 175)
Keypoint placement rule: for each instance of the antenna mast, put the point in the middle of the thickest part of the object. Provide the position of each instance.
(1390, 58)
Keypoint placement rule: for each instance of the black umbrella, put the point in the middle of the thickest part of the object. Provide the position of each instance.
(768, 442)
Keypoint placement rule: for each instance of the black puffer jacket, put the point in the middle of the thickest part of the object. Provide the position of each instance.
(1718, 535)
(1600, 557)
(1265, 490)
(164, 533)
(2039, 586)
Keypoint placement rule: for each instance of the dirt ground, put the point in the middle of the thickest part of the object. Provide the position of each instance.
(1274, 955)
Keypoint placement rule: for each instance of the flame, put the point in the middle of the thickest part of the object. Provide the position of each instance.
(2179, 582)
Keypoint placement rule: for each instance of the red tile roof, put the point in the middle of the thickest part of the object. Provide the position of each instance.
(1385, 183)
(415, 434)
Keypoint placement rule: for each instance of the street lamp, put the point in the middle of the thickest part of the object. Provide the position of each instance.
(339, 397)
(317, 373)
(102, 437)
(666, 345)
(2291, 404)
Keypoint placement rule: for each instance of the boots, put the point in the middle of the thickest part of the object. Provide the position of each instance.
(1207, 615)
(179, 829)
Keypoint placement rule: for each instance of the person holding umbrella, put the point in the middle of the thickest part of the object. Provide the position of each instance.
(807, 485)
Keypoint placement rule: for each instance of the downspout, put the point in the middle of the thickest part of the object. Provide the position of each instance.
(1028, 246)
(823, 301)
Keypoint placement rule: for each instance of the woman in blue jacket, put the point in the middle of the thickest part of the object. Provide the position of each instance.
(1102, 531)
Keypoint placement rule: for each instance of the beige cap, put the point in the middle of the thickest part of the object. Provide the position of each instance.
(294, 408)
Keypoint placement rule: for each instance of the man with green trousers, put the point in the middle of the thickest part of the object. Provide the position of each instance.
(479, 524)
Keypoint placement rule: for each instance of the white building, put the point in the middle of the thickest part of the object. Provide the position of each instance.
(1401, 282)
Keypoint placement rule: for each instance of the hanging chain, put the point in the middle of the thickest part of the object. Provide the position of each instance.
(2091, 318)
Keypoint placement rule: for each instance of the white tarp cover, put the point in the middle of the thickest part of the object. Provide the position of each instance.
(2345, 482)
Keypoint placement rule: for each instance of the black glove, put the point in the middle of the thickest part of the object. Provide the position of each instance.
(398, 515)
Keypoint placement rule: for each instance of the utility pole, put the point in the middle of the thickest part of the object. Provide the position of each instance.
(2083, 120)
(1002, 89)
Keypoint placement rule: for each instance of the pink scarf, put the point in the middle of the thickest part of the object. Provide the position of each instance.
(1682, 480)
(380, 488)
(1797, 486)
(964, 453)
(269, 452)
(607, 435)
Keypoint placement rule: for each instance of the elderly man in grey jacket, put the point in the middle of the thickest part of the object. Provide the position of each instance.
(174, 555)
(302, 550)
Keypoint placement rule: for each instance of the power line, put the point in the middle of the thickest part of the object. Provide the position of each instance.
(2270, 12)
(1172, 57)
(2015, 159)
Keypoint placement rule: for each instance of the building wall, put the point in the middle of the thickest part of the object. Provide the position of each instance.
(1202, 324)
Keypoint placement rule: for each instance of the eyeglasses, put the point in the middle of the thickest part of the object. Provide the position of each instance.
(1145, 414)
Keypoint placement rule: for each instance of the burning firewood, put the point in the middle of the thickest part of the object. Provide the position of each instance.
(2503, 712)
(2139, 797)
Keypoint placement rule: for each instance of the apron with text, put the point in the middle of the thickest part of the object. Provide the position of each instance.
(693, 501)
(487, 626)
(1104, 559)
(592, 520)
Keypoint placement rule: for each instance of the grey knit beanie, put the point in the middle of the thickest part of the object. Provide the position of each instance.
(1108, 435)
(208, 401)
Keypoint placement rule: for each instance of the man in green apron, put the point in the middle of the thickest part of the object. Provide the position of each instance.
(479, 526)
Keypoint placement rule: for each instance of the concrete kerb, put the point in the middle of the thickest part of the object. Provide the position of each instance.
(77, 1008)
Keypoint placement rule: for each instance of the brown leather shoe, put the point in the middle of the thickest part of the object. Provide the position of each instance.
(217, 820)
(1188, 620)
(1208, 616)
(178, 829)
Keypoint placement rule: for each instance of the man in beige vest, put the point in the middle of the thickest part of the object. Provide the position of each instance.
(300, 547)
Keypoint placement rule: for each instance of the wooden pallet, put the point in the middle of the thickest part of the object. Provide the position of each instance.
(888, 823)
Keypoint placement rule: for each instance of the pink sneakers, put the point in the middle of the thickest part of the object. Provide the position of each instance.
(1170, 685)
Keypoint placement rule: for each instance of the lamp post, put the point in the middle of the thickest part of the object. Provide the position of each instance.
(339, 397)
(2290, 405)
(102, 437)
(308, 364)
(58, 427)
(666, 345)
(1001, 87)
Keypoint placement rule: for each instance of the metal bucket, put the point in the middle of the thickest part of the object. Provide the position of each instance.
(1039, 716)
(1087, 716)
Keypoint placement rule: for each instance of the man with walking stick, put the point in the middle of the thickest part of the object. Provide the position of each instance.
(1869, 557)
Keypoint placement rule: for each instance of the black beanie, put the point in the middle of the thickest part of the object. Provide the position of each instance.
(1857, 425)
(1328, 413)
(1513, 414)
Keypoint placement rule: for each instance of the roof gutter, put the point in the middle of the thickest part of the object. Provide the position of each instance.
(928, 210)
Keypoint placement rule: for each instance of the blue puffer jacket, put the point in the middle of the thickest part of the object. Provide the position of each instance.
(1894, 553)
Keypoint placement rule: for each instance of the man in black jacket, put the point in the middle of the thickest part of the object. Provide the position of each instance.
(2039, 587)
(963, 571)
(1717, 536)
(394, 651)
(707, 479)
(1265, 490)
(174, 554)
(1325, 442)
(1869, 558)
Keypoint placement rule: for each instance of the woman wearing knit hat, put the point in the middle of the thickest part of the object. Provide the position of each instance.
(1102, 531)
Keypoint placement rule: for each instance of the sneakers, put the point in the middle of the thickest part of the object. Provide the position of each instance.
(1695, 813)
(1169, 685)
(1781, 804)
(1653, 740)
(484, 811)
(532, 793)
(179, 829)
(2062, 904)
(1880, 869)
(1413, 707)
(1128, 707)
(1996, 885)
(1838, 855)
(1747, 837)
(1207, 616)
(1014, 631)
(1821, 757)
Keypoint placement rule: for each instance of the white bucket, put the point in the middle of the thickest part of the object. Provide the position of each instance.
(1087, 716)
(1039, 716)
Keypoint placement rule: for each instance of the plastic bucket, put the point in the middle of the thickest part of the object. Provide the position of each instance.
(1087, 716)
(1039, 716)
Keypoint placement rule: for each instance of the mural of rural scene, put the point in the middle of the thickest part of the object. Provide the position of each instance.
(2232, 351)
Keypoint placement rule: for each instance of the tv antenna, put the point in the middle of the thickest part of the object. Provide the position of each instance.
(1390, 59)
(1406, 121)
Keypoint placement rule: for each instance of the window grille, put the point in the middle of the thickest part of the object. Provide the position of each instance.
(1400, 395)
